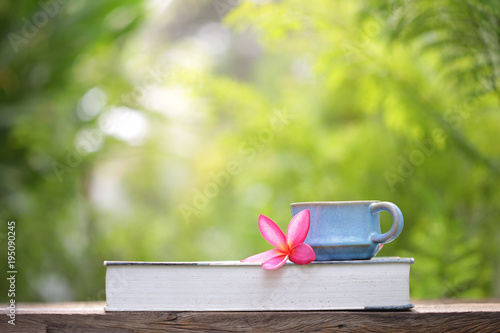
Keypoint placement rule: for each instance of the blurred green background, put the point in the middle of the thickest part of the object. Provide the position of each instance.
(160, 130)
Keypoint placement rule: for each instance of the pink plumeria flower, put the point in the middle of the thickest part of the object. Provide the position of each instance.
(291, 246)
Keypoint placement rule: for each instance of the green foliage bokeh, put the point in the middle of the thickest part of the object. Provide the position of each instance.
(337, 100)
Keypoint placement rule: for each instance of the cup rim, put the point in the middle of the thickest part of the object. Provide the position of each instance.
(333, 203)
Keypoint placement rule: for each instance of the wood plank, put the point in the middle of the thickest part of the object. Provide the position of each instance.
(428, 316)
(447, 305)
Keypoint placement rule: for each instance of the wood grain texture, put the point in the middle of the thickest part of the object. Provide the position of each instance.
(436, 316)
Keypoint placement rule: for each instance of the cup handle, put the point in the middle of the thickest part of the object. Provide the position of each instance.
(397, 221)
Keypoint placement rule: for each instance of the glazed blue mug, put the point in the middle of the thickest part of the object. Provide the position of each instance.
(348, 230)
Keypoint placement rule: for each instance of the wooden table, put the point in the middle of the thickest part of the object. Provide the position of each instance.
(427, 316)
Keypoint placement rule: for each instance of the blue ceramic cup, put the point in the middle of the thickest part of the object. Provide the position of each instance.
(348, 230)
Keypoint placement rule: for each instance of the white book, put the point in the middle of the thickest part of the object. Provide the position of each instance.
(379, 283)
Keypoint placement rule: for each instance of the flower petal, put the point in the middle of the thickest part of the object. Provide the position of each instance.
(272, 233)
(275, 262)
(264, 256)
(302, 254)
(298, 228)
